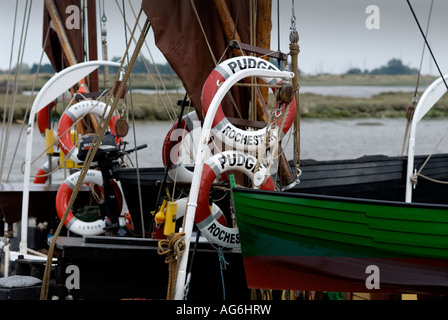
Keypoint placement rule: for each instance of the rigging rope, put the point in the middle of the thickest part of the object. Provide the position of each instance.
(23, 37)
(427, 44)
(90, 155)
(411, 109)
(7, 89)
(414, 176)
(203, 31)
(168, 105)
(29, 104)
(133, 130)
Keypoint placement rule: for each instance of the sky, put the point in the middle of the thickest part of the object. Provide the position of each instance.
(333, 34)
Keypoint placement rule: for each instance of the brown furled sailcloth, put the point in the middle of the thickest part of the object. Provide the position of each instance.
(179, 37)
(53, 48)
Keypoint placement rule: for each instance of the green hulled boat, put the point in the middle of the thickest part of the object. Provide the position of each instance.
(346, 225)
(324, 243)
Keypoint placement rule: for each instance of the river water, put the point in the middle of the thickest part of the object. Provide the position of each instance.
(344, 91)
(320, 140)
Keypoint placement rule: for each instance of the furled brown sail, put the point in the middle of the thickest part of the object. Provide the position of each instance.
(179, 36)
(53, 47)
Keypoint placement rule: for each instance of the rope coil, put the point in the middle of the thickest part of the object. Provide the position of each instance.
(172, 248)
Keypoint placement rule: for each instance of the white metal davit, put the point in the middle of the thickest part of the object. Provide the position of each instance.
(55, 87)
(200, 159)
(429, 98)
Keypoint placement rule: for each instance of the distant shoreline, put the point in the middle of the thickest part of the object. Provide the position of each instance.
(387, 96)
(142, 81)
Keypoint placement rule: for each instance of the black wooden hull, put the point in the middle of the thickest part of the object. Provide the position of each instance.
(369, 177)
(42, 199)
(375, 177)
(114, 268)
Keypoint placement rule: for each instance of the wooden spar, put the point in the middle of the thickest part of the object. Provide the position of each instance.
(263, 28)
(264, 23)
(65, 44)
(229, 27)
(232, 34)
(294, 50)
(93, 51)
(60, 30)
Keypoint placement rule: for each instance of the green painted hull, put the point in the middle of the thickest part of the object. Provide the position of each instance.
(335, 238)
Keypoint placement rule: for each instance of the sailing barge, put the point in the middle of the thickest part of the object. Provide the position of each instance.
(321, 234)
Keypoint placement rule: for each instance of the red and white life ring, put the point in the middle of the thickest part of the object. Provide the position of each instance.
(63, 197)
(43, 121)
(171, 150)
(42, 174)
(70, 116)
(221, 127)
(214, 167)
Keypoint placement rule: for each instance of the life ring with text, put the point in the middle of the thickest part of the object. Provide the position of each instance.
(63, 195)
(42, 174)
(171, 150)
(70, 116)
(212, 229)
(221, 126)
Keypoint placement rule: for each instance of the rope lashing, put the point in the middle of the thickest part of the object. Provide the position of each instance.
(172, 248)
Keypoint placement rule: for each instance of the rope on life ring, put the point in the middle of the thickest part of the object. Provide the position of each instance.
(171, 150)
(63, 197)
(221, 127)
(215, 211)
(211, 228)
(70, 116)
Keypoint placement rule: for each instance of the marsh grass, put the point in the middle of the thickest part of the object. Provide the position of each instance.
(383, 105)
(386, 104)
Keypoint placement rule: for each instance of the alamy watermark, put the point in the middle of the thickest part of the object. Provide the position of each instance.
(73, 279)
(373, 18)
(373, 280)
(73, 21)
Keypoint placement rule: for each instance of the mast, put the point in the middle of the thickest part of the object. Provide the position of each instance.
(92, 36)
(263, 29)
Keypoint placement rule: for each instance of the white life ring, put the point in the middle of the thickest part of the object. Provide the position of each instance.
(171, 149)
(72, 114)
(214, 167)
(221, 127)
(63, 197)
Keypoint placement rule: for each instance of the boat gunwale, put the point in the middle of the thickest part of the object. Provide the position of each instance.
(421, 205)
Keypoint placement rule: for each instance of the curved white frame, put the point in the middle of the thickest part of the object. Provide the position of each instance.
(55, 87)
(429, 98)
(200, 159)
